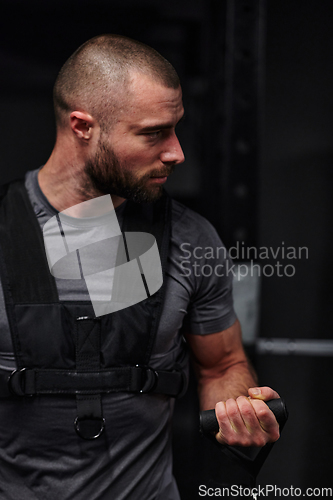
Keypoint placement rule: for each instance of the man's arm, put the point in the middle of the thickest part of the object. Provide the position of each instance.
(224, 381)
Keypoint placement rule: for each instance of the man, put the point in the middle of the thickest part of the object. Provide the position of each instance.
(117, 104)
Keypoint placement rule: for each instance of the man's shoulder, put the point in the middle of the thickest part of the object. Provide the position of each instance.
(185, 217)
(192, 230)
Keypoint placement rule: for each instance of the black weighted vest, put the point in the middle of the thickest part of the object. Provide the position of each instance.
(60, 347)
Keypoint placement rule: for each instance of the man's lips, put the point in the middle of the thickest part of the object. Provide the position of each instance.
(159, 177)
(158, 180)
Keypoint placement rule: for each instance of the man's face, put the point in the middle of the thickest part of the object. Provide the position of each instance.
(135, 157)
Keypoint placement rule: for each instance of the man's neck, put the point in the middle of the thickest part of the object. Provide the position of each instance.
(66, 186)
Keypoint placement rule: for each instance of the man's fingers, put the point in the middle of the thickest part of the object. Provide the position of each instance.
(232, 430)
(224, 423)
(247, 421)
(238, 423)
(235, 418)
(248, 414)
(266, 419)
(264, 393)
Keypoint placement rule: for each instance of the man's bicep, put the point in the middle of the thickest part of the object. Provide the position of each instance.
(216, 352)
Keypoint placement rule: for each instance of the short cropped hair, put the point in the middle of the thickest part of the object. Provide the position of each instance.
(95, 77)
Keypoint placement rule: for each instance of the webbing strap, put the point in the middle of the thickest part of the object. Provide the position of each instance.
(89, 422)
(31, 382)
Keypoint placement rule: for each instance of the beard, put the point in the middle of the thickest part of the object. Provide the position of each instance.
(106, 174)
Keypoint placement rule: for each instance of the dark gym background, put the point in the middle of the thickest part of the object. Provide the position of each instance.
(257, 80)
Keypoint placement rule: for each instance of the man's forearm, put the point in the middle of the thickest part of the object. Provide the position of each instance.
(231, 383)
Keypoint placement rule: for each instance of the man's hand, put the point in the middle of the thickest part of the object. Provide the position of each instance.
(247, 421)
(223, 372)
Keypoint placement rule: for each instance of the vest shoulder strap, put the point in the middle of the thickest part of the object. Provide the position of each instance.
(27, 270)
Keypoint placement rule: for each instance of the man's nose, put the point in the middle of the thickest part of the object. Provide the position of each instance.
(172, 152)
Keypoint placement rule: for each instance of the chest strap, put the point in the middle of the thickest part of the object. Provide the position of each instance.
(32, 381)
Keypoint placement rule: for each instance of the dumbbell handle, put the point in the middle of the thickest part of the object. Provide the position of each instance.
(209, 423)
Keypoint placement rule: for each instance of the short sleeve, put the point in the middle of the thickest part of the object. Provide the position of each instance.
(207, 271)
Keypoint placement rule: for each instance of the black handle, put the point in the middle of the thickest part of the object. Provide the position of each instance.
(209, 423)
(250, 459)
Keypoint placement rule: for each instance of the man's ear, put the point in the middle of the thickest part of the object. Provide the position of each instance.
(82, 124)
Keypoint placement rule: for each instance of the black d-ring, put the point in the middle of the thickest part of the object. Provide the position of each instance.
(150, 379)
(16, 383)
(89, 428)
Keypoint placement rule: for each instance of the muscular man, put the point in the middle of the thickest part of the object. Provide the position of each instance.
(117, 105)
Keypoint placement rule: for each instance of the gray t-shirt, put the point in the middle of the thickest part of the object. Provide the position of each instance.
(133, 457)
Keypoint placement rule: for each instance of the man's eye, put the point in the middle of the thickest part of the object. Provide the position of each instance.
(153, 135)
